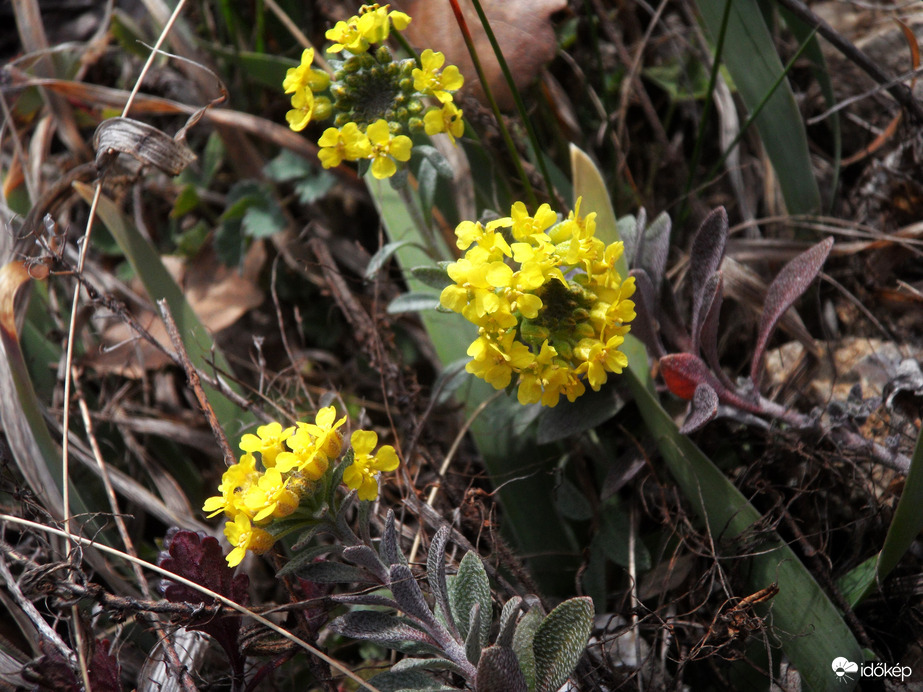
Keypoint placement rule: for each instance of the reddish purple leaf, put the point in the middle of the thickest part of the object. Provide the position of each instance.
(703, 408)
(705, 257)
(785, 289)
(708, 297)
(199, 558)
(684, 372)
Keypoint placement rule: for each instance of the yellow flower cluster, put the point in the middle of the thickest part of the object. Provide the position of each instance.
(292, 461)
(548, 302)
(376, 101)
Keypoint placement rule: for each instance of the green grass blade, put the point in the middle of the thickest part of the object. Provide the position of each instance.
(751, 58)
(905, 527)
(146, 262)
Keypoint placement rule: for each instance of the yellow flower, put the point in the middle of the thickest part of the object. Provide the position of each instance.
(347, 35)
(270, 497)
(244, 536)
(447, 119)
(386, 148)
(429, 80)
(304, 76)
(348, 143)
(303, 104)
(324, 429)
(362, 474)
(236, 480)
(551, 309)
(267, 441)
(375, 22)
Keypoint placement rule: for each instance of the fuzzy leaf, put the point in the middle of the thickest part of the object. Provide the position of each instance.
(334, 573)
(380, 258)
(435, 575)
(709, 293)
(708, 333)
(705, 258)
(498, 671)
(405, 681)
(306, 556)
(560, 641)
(646, 325)
(427, 664)
(366, 599)
(434, 277)
(378, 627)
(784, 290)
(473, 644)
(629, 231)
(439, 162)
(703, 408)
(413, 302)
(523, 638)
(508, 618)
(409, 596)
(469, 586)
(390, 553)
(654, 248)
(365, 557)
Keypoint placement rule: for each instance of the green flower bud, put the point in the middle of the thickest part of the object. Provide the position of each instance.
(415, 107)
(415, 125)
(383, 55)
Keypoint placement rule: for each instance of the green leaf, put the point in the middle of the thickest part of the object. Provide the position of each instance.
(264, 219)
(413, 302)
(434, 277)
(572, 503)
(288, 166)
(614, 529)
(469, 586)
(751, 57)
(560, 641)
(905, 527)
(380, 258)
(314, 186)
(522, 641)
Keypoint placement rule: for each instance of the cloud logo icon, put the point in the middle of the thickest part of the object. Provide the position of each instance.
(841, 666)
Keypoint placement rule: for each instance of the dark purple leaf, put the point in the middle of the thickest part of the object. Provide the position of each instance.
(785, 289)
(708, 333)
(654, 248)
(702, 409)
(499, 671)
(104, 668)
(706, 255)
(645, 324)
(54, 672)
(378, 627)
(410, 598)
(709, 295)
(366, 558)
(199, 558)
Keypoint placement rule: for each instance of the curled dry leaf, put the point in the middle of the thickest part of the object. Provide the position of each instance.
(144, 143)
(523, 29)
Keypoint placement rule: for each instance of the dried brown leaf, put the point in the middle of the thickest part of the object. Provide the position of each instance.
(523, 29)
